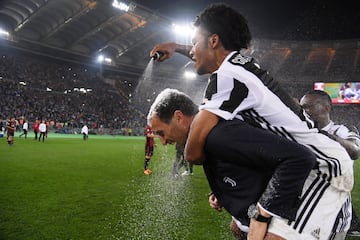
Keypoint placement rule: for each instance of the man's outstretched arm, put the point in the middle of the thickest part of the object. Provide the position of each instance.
(168, 49)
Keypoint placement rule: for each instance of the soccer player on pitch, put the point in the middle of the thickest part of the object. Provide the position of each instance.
(149, 148)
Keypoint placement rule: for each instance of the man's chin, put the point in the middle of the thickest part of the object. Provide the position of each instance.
(200, 70)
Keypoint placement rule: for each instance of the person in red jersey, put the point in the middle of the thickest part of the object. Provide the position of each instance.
(149, 148)
(10, 128)
(35, 127)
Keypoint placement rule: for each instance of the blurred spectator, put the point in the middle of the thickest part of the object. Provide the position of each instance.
(35, 128)
(25, 127)
(85, 132)
(42, 130)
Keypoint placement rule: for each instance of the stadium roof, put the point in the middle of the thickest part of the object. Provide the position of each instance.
(75, 29)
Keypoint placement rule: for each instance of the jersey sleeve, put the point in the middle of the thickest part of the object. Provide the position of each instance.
(228, 98)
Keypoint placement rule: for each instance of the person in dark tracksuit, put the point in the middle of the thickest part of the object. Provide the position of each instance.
(244, 165)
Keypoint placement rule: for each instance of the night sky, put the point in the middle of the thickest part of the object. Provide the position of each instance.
(278, 19)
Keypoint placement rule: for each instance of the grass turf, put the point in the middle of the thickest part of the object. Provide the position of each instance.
(67, 188)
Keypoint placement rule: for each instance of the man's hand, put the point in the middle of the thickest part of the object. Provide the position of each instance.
(167, 49)
(214, 203)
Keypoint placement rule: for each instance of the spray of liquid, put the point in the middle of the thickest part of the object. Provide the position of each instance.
(142, 89)
(146, 77)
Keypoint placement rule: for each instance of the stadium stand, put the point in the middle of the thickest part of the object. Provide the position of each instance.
(69, 94)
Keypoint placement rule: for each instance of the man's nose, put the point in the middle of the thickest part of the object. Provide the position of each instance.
(191, 53)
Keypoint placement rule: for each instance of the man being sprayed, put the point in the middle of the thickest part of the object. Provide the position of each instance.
(244, 165)
(239, 89)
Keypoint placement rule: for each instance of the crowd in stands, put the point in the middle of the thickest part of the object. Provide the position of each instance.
(68, 95)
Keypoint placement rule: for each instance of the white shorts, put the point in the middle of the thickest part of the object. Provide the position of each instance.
(242, 227)
(317, 215)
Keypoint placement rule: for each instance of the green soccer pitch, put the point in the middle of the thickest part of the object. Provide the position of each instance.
(67, 188)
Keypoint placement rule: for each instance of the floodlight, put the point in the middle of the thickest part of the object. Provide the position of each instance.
(4, 33)
(183, 29)
(108, 60)
(121, 5)
(189, 74)
(100, 58)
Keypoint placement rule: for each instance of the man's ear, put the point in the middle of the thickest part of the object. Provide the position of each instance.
(328, 108)
(214, 40)
(178, 115)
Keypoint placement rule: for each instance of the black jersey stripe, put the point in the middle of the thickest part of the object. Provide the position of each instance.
(211, 88)
(272, 85)
(238, 93)
(344, 215)
(309, 202)
(314, 204)
(288, 135)
(333, 163)
(252, 117)
(308, 190)
(304, 196)
(306, 201)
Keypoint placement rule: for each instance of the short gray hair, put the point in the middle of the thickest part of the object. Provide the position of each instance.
(168, 101)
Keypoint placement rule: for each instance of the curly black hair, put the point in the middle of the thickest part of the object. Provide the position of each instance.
(226, 22)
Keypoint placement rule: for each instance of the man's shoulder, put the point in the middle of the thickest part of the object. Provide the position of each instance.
(236, 58)
(344, 131)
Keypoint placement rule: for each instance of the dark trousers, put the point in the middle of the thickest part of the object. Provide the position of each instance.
(42, 134)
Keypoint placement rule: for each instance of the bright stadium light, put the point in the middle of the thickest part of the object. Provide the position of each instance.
(121, 5)
(189, 74)
(184, 29)
(4, 33)
(100, 58)
(103, 59)
(108, 60)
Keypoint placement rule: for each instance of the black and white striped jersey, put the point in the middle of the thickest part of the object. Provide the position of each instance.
(241, 89)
